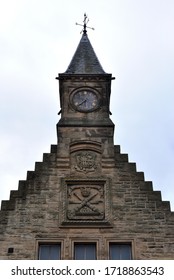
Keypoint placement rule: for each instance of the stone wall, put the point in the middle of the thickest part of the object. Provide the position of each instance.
(113, 204)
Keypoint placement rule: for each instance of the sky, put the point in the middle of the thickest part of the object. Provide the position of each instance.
(132, 39)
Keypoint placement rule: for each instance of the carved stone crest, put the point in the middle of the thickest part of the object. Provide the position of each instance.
(85, 161)
(85, 202)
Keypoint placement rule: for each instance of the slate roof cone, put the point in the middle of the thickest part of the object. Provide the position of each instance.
(85, 60)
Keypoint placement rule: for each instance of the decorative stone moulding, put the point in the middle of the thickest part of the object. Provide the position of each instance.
(85, 145)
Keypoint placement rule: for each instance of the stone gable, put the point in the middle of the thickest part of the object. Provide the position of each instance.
(85, 191)
(116, 206)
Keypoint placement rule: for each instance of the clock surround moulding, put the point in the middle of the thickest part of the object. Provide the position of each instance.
(85, 99)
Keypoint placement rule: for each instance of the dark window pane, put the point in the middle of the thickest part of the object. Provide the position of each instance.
(49, 252)
(125, 252)
(85, 251)
(120, 252)
(43, 252)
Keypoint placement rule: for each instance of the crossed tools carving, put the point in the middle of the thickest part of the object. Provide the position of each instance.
(86, 200)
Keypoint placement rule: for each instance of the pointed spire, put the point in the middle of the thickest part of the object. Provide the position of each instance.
(85, 60)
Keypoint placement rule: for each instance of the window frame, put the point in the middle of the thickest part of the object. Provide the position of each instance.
(120, 242)
(85, 243)
(49, 242)
(75, 241)
(119, 245)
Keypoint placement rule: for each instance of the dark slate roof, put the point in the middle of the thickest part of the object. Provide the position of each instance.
(85, 60)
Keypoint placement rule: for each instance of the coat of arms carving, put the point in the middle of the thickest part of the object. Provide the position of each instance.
(85, 161)
(85, 202)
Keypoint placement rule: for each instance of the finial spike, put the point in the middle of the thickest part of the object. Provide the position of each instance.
(85, 21)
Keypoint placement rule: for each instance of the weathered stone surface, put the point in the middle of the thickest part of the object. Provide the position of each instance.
(85, 189)
(137, 214)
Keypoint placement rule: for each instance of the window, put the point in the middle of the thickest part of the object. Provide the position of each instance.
(85, 251)
(49, 252)
(119, 251)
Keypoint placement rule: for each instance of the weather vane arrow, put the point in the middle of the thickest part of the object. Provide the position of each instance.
(85, 21)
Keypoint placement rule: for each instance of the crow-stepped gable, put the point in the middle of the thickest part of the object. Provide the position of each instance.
(85, 200)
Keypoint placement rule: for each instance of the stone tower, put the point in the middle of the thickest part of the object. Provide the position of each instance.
(85, 200)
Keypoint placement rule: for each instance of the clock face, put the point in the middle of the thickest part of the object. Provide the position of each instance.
(85, 100)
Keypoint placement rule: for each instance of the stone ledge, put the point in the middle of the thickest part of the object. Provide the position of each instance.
(8, 205)
(121, 157)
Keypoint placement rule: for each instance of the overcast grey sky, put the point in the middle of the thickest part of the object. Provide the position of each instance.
(133, 39)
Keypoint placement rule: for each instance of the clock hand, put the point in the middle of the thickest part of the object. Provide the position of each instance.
(82, 102)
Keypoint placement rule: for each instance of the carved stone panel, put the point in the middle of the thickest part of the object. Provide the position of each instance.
(85, 158)
(85, 202)
(85, 161)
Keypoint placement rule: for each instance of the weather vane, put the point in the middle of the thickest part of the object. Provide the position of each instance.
(85, 21)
